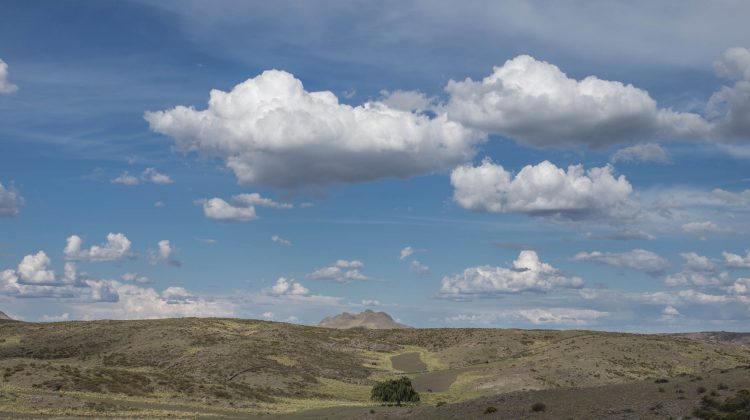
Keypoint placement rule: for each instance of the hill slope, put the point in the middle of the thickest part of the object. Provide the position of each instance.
(367, 319)
(231, 367)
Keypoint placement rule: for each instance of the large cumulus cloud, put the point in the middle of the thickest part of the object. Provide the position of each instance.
(270, 131)
(544, 190)
(537, 104)
(528, 273)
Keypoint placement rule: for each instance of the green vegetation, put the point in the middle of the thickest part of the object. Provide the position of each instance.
(232, 367)
(490, 410)
(539, 406)
(395, 391)
(736, 407)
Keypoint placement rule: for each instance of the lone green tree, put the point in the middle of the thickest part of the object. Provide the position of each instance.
(395, 391)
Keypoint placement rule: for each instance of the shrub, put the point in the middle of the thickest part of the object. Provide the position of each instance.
(394, 390)
(722, 386)
(538, 407)
(440, 403)
(700, 389)
(734, 407)
(661, 381)
(490, 410)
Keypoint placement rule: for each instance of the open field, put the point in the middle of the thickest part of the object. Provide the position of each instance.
(234, 368)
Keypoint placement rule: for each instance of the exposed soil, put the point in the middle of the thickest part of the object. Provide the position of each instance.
(408, 362)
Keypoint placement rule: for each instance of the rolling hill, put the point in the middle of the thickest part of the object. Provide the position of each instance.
(235, 368)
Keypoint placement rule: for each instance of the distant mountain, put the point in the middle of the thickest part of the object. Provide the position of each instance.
(4, 317)
(367, 319)
(742, 339)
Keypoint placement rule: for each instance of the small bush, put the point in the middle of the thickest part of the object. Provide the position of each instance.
(537, 407)
(440, 403)
(490, 410)
(661, 389)
(722, 386)
(661, 381)
(734, 407)
(700, 389)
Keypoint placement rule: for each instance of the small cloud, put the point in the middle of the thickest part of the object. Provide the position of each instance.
(116, 247)
(148, 175)
(649, 152)
(669, 313)
(624, 235)
(136, 278)
(288, 287)
(342, 271)
(165, 254)
(157, 178)
(701, 228)
(10, 201)
(419, 268)
(637, 259)
(243, 210)
(406, 252)
(736, 261)
(5, 85)
(159, 204)
(126, 179)
(370, 302)
(281, 241)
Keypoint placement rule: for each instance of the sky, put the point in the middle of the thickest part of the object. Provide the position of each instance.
(525, 164)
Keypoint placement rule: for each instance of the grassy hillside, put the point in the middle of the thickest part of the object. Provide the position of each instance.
(231, 367)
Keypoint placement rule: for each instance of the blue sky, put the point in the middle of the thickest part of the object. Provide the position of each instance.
(525, 164)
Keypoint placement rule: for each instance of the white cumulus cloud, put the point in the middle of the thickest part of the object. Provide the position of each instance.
(545, 190)
(536, 103)
(116, 247)
(164, 254)
(270, 131)
(288, 287)
(156, 177)
(218, 209)
(696, 262)
(342, 271)
(736, 261)
(35, 269)
(527, 273)
(243, 209)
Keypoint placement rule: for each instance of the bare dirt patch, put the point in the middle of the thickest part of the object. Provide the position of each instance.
(408, 362)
